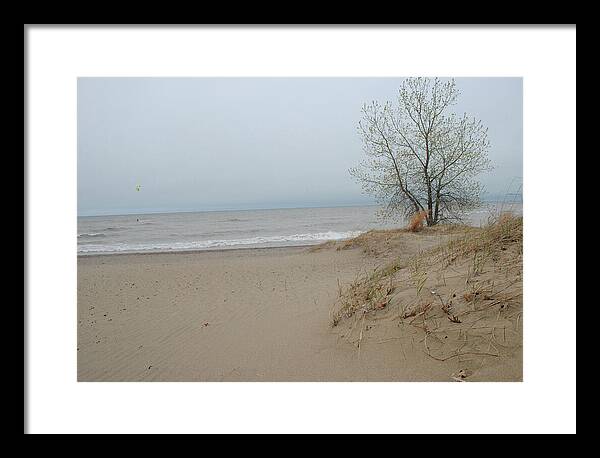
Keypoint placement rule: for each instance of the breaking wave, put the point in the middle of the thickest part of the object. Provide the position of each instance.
(276, 240)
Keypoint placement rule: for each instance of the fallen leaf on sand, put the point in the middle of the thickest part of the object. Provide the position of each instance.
(461, 375)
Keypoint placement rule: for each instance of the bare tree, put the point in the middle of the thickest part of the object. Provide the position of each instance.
(421, 157)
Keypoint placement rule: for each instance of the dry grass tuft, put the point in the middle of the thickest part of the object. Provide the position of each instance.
(498, 235)
(364, 296)
(454, 319)
(416, 222)
(416, 310)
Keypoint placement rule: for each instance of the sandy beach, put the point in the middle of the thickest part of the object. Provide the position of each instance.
(266, 315)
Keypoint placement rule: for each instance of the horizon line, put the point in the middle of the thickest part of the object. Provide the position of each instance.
(158, 212)
(490, 198)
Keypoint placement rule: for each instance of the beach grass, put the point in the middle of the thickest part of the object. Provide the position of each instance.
(479, 246)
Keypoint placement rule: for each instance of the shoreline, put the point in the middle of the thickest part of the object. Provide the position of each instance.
(194, 251)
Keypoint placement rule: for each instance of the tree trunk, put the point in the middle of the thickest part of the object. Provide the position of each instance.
(436, 214)
(430, 220)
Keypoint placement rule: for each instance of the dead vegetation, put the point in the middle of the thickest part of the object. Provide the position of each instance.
(416, 222)
(472, 283)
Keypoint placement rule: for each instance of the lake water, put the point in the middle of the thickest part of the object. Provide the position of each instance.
(188, 231)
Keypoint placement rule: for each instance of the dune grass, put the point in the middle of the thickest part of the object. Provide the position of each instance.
(479, 246)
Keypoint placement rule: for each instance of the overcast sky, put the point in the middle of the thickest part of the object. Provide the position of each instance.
(240, 143)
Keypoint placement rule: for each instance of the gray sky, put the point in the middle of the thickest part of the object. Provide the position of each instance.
(238, 143)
